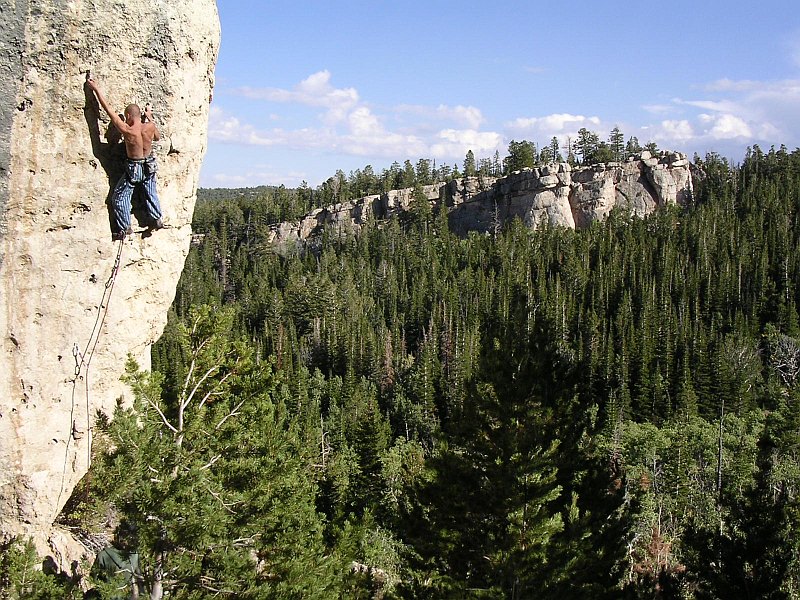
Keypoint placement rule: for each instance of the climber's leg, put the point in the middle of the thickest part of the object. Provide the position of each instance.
(121, 198)
(152, 205)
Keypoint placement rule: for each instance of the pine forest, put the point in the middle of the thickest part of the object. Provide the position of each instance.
(609, 412)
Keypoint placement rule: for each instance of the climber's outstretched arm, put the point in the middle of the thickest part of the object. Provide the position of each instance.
(121, 125)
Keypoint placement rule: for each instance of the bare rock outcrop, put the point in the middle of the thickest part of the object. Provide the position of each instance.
(639, 186)
(351, 215)
(556, 194)
(67, 325)
(575, 197)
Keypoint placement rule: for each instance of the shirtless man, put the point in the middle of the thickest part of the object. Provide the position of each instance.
(140, 168)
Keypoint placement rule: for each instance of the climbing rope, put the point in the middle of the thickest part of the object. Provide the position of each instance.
(82, 363)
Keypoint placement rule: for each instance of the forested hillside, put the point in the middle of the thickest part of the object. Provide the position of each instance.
(601, 413)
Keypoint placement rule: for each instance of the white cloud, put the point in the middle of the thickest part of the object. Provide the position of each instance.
(361, 135)
(366, 135)
(351, 127)
(658, 109)
(674, 131)
(225, 180)
(362, 122)
(453, 143)
(736, 114)
(730, 85)
(229, 129)
(554, 124)
(314, 90)
(779, 99)
(390, 146)
(466, 116)
(731, 114)
(716, 106)
(768, 132)
(729, 126)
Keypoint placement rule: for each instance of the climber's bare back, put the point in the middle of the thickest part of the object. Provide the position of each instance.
(138, 137)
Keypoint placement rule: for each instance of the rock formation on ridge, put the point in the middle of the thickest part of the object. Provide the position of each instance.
(56, 254)
(555, 193)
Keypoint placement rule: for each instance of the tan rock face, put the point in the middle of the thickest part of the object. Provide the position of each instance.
(67, 326)
(556, 194)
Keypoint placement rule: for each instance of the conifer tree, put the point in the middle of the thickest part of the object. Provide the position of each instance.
(470, 167)
(207, 518)
(616, 144)
(585, 146)
(521, 155)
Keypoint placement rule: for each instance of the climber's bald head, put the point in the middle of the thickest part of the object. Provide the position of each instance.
(133, 113)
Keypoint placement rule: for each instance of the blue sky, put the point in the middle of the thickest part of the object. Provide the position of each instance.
(306, 88)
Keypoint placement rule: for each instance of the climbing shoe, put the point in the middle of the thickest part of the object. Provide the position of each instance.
(158, 224)
(121, 235)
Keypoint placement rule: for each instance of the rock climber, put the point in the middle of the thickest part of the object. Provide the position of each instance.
(139, 131)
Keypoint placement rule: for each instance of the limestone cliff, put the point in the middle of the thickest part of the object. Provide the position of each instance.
(555, 193)
(57, 167)
(561, 195)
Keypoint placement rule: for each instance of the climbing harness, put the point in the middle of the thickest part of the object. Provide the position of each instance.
(82, 363)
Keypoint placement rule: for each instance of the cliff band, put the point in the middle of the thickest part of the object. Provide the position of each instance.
(557, 194)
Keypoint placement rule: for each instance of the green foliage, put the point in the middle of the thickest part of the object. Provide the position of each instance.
(616, 145)
(596, 413)
(22, 576)
(521, 155)
(632, 147)
(470, 166)
(217, 483)
(586, 146)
